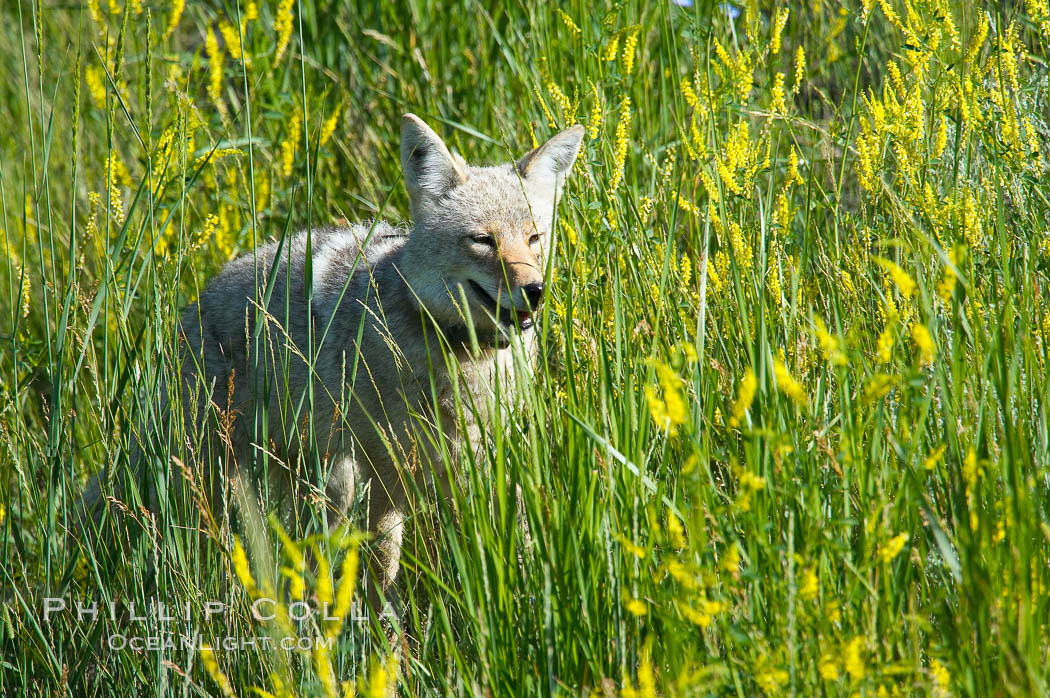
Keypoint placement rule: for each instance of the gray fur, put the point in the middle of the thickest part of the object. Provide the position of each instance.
(401, 292)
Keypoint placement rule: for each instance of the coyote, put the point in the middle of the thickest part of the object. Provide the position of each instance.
(359, 321)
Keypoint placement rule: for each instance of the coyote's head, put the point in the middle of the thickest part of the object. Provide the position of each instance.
(481, 234)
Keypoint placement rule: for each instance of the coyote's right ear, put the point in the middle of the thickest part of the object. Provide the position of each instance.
(430, 170)
(553, 160)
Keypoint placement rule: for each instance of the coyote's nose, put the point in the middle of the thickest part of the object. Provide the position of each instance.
(533, 293)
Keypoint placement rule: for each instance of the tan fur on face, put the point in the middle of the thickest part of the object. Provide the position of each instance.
(508, 201)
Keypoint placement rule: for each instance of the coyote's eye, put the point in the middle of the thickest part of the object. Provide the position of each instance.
(534, 239)
(484, 239)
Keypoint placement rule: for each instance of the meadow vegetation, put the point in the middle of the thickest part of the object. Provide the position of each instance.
(789, 436)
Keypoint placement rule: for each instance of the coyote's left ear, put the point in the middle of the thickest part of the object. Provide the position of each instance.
(553, 160)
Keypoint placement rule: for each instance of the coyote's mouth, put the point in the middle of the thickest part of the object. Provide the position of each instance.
(505, 316)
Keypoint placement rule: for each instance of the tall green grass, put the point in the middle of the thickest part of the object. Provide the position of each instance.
(789, 435)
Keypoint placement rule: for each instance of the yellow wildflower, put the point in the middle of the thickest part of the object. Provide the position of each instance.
(800, 69)
(904, 282)
(594, 123)
(828, 668)
(290, 143)
(282, 25)
(569, 24)
(177, 6)
(242, 569)
(344, 594)
(232, 36)
(787, 384)
(670, 412)
(623, 129)
(829, 345)
(328, 127)
(924, 343)
(771, 678)
(96, 85)
(675, 531)
(211, 665)
(879, 385)
(854, 658)
(744, 397)
(778, 30)
(730, 561)
(941, 139)
(942, 678)
(612, 49)
(631, 547)
(689, 94)
(636, 607)
(810, 585)
(931, 461)
(776, 102)
(629, 45)
(211, 45)
(892, 548)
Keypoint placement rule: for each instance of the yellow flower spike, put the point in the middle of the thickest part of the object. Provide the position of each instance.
(232, 36)
(646, 675)
(96, 85)
(941, 139)
(682, 575)
(730, 562)
(828, 668)
(290, 144)
(942, 678)
(924, 343)
(636, 607)
(675, 531)
(810, 584)
(854, 658)
(329, 126)
(324, 589)
(344, 594)
(211, 666)
(777, 105)
(879, 385)
(787, 384)
(177, 6)
(612, 49)
(382, 678)
(892, 548)
(800, 69)
(631, 547)
(215, 56)
(793, 177)
(778, 30)
(297, 585)
(569, 24)
(689, 94)
(282, 26)
(931, 461)
(594, 123)
(623, 129)
(325, 672)
(630, 43)
(905, 284)
(829, 345)
(242, 569)
(289, 548)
